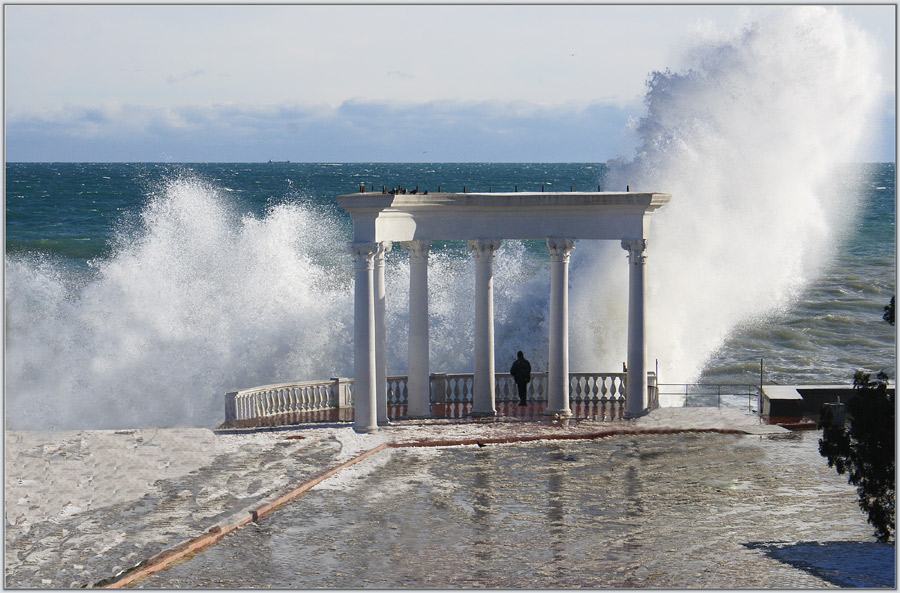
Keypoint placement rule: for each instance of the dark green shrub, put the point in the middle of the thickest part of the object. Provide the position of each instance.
(865, 449)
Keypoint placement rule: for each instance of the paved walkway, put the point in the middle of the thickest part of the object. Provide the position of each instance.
(84, 506)
(672, 511)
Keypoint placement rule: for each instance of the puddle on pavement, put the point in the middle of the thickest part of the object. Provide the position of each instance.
(668, 511)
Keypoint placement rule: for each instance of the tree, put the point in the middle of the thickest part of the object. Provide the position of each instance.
(865, 451)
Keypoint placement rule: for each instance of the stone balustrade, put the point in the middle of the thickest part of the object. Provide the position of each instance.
(311, 396)
(272, 400)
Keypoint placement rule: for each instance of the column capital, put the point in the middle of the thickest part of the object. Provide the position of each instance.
(418, 250)
(483, 249)
(560, 249)
(363, 255)
(635, 249)
(382, 248)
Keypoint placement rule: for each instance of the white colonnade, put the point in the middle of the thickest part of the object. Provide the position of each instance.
(365, 414)
(419, 405)
(416, 220)
(483, 403)
(636, 397)
(380, 334)
(558, 361)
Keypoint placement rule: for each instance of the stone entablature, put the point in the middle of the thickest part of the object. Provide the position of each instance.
(520, 215)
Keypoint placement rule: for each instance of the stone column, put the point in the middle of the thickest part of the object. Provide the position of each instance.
(558, 376)
(419, 404)
(380, 335)
(483, 388)
(636, 392)
(365, 417)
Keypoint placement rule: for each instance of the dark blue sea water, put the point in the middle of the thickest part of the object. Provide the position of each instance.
(73, 210)
(141, 293)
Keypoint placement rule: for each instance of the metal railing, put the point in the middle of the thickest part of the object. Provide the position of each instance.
(690, 395)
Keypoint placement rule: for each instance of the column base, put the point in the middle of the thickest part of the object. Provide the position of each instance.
(566, 413)
(484, 414)
(632, 415)
(418, 411)
(365, 430)
(384, 423)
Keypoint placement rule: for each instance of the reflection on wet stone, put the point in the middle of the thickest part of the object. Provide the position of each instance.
(556, 516)
(481, 512)
(658, 511)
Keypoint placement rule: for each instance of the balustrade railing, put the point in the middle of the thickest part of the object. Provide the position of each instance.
(311, 396)
(286, 398)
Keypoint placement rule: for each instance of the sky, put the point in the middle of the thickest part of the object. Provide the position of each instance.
(322, 83)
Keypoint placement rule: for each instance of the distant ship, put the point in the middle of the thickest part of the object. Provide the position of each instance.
(271, 161)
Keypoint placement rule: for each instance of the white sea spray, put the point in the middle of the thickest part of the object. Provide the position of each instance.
(197, 302)
(746, 140)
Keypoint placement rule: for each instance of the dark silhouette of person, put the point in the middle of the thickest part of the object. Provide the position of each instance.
(521, 373)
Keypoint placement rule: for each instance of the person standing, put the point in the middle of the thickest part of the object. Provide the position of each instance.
(521, 373)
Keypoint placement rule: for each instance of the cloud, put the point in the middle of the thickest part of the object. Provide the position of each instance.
(183, 77)
(399, 74)
(353, 131)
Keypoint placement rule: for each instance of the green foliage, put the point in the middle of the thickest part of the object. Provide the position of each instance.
(889, 312)
(865, 450)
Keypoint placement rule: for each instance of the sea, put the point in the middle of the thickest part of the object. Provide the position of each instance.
(138, 294)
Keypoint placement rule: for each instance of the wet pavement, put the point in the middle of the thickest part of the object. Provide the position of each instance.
(646, 511)
(82, 548)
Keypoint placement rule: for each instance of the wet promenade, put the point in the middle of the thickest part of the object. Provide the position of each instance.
(623, 508)
(646, 511)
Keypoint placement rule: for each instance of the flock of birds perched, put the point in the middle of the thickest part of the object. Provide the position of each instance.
(396, 190)
(402, 190)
